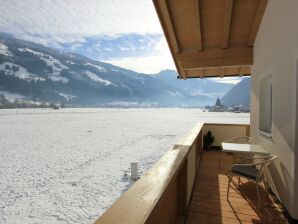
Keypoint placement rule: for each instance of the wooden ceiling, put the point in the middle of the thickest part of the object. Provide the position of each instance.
(209, 38)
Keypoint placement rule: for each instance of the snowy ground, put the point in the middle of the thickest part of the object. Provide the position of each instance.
(69, 166)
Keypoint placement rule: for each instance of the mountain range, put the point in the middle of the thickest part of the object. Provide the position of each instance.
(32, 71)
(239, 94)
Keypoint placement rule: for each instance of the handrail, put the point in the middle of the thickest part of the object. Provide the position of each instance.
(163, 193)
(137, 204)
(189, 139)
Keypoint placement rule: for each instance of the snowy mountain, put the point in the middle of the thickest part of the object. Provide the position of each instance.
(31, 71)
(204, 89)
(239, 94)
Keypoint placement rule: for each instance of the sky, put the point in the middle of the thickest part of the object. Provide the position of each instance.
(126, 33)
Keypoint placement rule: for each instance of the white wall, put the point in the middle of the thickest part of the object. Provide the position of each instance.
(276, 54)
(223, 132)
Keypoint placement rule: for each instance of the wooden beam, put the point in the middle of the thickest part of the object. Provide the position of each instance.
(203, 74)
(211, 72)
(244, 70)
(215, 76)
(256, 23)
(198, 24)
(217, 62)
(200, 73)
(227, 23)
(215, 53)
(172, 50)
(240, 71)
(222, 72)
(169, 24)
(182, 71)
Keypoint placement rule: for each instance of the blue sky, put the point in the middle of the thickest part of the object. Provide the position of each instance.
(126, 33)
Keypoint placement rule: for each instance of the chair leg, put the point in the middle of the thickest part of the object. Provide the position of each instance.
(229, 182)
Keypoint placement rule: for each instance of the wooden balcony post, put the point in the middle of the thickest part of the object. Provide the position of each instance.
(182, 190)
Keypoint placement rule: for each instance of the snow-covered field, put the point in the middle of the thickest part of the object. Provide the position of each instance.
(69, 166)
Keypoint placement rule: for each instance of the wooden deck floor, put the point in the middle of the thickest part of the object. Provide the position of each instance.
(210, 205)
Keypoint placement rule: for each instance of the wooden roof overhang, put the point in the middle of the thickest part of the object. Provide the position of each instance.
(209, 38)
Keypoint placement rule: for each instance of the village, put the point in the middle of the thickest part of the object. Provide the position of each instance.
(219, 107)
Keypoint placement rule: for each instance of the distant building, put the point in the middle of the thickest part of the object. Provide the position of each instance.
(240, 108)
(218, 107)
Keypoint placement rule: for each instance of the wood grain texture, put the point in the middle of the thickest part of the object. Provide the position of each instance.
(216, 62)
(160, 196)
(210, 205)
(198, 24)
(215, 53)
(227, 23)
(169, 24)
(167, 36)
(211, 72)
(208, 26)
(257, 21)
(216, 58)
(138, 203)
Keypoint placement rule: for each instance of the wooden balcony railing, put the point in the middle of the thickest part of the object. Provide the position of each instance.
(162, 195)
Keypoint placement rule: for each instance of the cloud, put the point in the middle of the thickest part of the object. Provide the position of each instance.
(73, 20)
(158, 59)
(126, 33)
(147, 65)
(104, 48)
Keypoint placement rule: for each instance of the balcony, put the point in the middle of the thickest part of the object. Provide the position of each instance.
(187, 185)
(209, 203)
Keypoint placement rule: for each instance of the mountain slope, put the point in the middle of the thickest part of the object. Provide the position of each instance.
(33, 71)
(196, 87)
(239, 94)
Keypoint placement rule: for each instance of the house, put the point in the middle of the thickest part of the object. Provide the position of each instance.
(221, 38)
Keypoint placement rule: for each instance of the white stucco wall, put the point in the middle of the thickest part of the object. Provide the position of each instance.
(276, 54)
(223, 132)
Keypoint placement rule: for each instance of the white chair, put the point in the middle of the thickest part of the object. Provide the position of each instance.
(239, 140)
(252, 171)
(241, 157)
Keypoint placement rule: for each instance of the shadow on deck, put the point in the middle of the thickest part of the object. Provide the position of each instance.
(210, 205)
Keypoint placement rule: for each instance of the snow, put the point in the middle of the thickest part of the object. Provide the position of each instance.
(66, 96)
(70, 165)
(142, 80)
(4, 50)
(58, 78)
(115, 70)
(70, 62)
(124, 104)
(96, 66)
(56, 65)
(95, 78)
(21, 72)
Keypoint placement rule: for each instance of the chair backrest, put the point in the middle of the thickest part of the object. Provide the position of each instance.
(239, 140)
(263, 165)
